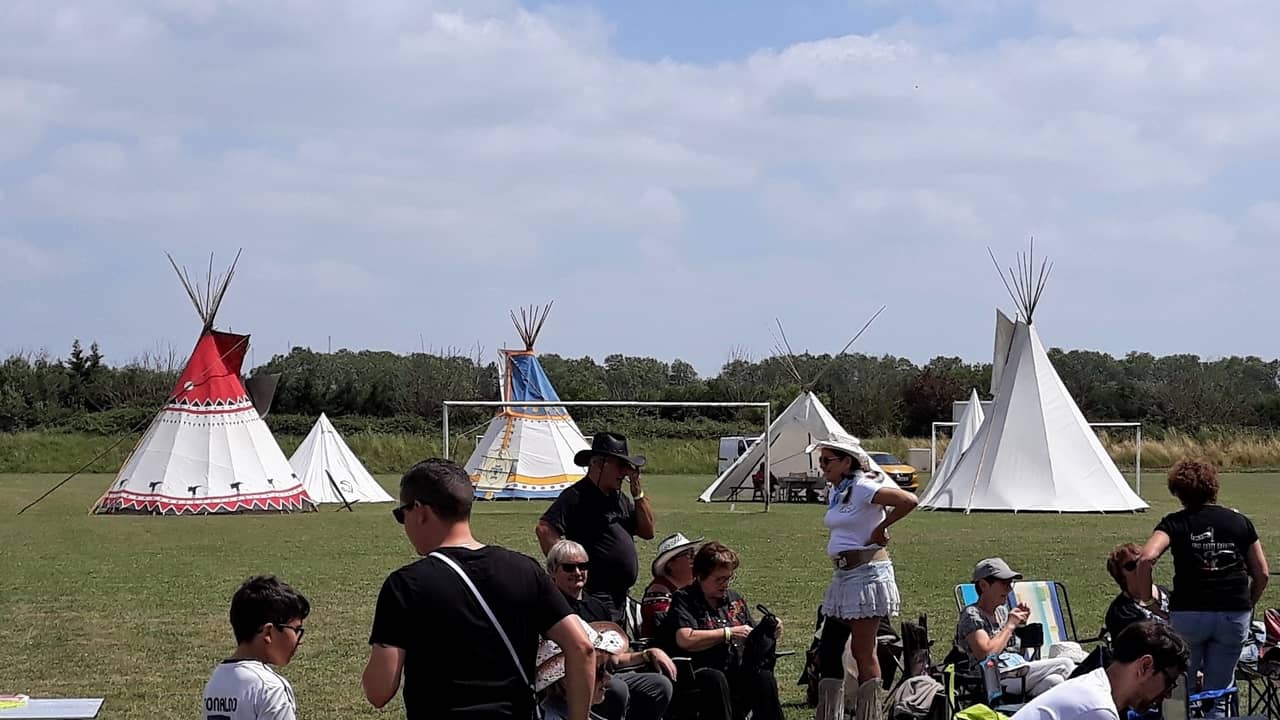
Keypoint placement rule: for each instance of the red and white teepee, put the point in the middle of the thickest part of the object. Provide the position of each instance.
(208, 450)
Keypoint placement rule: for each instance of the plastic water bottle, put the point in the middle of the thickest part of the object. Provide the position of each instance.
(991, 676)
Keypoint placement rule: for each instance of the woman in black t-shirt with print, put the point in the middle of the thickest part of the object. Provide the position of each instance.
(1219, 573)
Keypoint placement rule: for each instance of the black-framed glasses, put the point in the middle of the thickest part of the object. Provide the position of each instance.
(399, 512)
(297, 629)
(1170, 680)
(574, 567)
(602, 670)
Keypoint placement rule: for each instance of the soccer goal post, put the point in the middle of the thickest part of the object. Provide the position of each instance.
(767, 434)
(1137, 462)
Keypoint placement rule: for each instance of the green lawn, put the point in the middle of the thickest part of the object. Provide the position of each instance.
(134, 608)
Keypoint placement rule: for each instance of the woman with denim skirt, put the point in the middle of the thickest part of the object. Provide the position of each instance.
(861, 505)
(1219, 574)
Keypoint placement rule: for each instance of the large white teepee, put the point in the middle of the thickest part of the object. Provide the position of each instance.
(1034, 451)
(208, 450)
(527, 452)
(961, 438)
(805, 421)
(330, 472)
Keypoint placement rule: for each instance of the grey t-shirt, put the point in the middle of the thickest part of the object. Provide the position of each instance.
(972, 618)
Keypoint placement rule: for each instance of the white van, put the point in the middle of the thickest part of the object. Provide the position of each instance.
(731, 448)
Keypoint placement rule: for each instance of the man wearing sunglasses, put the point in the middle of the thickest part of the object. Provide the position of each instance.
(430, 625)
(1148, 658)
(596, 514)
(1126, 608)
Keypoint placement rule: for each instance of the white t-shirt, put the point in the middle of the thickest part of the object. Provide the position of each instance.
(1087, 697)
(248, 690)
(851, 516)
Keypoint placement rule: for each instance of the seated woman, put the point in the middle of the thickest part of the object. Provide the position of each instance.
(549, 675)
(634, 695)
(981, 634)
(732, 659)
(672, 569)
(1125, 609)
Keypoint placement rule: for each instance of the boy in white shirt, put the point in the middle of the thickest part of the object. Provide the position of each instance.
(266, 617)
(1148, 657)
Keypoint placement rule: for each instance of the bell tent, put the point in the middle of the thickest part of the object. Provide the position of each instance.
(208, 450)
(330, 472)
(526, 452)
(1034, 451)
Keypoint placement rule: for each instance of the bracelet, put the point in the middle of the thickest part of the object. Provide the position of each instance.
(638, 496)
(648, 657)
(728, 636)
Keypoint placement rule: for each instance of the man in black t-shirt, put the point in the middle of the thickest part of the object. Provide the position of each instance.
(429, 624)
(594, 513)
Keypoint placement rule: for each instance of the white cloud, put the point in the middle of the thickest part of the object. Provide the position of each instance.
(475, 156)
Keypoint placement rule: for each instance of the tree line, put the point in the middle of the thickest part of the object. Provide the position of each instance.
(872, 396)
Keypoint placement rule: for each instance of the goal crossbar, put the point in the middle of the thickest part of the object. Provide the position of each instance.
(1137, 426)
(767, 434)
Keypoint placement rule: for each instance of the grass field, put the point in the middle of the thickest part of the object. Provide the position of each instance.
(134, 608)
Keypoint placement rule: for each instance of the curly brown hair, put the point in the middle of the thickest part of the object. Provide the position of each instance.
(1194, 483)
(712, 556)
(1120, 555)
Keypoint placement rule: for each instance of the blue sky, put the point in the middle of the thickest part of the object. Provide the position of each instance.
(673, 175)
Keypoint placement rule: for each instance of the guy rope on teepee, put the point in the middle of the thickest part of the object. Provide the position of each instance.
(805, 421)
(208, 449)
(1034, 450)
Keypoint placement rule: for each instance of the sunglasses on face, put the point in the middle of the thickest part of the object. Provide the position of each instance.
(574, 567)
(399, 512)
(825, 459)
(1130, 566)
(602, 670)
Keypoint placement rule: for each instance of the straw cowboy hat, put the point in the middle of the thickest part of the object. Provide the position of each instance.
(610, 445)
(671, 546)
(848, 446)
(605, 637)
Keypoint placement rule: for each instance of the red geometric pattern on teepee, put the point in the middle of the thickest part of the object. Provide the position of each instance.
(212, 376)
(161, 505)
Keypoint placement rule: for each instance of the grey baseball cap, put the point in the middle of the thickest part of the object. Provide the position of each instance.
(994, 568)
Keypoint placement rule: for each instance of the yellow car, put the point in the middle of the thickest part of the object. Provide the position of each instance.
(902, 473)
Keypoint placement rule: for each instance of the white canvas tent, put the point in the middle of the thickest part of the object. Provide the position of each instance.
(1034, 451)
(805, 421)
(961, 438)
(207, 450)
(330, 472)
(527, 452)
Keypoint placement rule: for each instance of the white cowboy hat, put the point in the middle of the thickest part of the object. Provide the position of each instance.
(550, 660)
(847, 445)
(671, 546)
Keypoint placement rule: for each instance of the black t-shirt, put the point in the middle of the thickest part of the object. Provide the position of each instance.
(1209, 546)
(456, 665)
(691, 609)
(590, 608)
(603, 524)
(1125, 611)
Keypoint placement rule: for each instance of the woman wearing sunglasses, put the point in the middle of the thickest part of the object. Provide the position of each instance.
(861, 506)
(1125, 609)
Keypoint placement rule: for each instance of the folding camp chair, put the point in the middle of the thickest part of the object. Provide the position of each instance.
(1050, 607)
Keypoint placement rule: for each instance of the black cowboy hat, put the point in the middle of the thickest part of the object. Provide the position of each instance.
(609, 444)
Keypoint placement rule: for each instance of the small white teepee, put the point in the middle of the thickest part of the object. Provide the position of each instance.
(324, 461)
(527, 452)
(805, 421)
(207, 450)
(961, 438)
(1034, 451)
